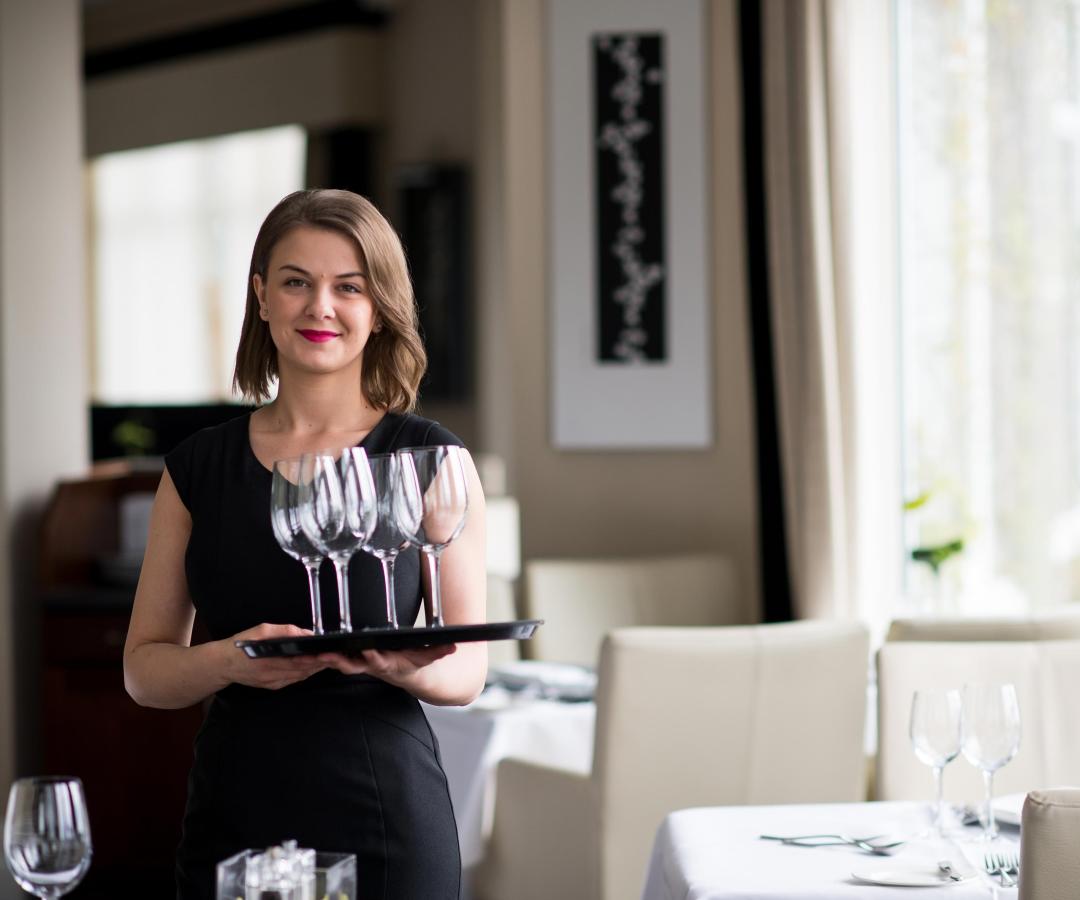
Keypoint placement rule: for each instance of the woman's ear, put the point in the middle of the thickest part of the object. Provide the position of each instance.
(260, 293)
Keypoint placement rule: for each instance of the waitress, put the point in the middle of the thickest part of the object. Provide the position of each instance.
(334, 752)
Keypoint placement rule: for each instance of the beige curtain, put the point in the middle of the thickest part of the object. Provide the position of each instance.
(814, 53)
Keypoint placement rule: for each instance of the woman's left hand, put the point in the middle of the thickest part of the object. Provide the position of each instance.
(393, 666)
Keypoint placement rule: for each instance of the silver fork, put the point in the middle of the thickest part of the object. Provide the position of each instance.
(1010, 863)
(994, 865)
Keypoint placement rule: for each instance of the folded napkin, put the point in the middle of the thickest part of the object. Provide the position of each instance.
(559, 681)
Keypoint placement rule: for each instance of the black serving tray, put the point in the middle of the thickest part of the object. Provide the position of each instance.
(353, 643)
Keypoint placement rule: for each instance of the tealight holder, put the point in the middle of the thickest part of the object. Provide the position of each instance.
(287, 872)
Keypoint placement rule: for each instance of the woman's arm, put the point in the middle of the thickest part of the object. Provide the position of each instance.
(453, 675)
(161, 669)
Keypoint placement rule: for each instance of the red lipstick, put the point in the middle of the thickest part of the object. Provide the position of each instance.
(318, 337)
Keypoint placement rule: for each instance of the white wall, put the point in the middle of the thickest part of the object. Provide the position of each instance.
(611, 503)
(43, 329)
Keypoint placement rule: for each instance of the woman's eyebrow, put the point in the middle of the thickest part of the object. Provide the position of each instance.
(306, 273)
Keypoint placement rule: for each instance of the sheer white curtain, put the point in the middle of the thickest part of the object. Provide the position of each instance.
(829, 168)
(990, 178)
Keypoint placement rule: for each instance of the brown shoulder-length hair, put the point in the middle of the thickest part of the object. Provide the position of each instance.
(394, 357)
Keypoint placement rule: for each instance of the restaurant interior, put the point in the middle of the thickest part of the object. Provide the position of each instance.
(757, 318)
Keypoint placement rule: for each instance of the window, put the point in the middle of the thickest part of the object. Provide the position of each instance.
(171, 239)
(989, 169)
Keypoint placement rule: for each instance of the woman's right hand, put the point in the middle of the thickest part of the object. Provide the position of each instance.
(271, 673)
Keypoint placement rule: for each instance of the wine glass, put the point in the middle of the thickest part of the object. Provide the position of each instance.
(432, 507)
(991, 736)
(936, 738)
(285, 519)
(47, 835)
(337, 511)
(388, 538)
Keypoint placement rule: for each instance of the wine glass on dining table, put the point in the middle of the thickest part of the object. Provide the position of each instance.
(285, 520)
(47, 835)
(936, 738)
(337, 511)
(388, 538)
(432, 506)
(991, 736)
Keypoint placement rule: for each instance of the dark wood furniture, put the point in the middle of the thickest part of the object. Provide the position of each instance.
(133, 761)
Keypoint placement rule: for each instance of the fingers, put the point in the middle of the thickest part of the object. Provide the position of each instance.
(275, 629)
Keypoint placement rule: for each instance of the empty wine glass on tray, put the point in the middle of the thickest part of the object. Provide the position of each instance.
(388, 538)
(433, 503)
(337, 511)
(936, 738)
(991, 736)
(47, 835)
(285, 520)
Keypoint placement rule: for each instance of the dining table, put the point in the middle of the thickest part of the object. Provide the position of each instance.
(718, 853)
(499, 724)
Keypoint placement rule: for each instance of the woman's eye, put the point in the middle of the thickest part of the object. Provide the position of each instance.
(295, 282)
(351, 288)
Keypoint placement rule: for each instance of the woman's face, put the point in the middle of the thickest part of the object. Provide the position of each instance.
(314, 299)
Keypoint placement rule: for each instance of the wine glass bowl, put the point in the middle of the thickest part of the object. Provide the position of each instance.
(936, 737)
(285, 519)
(432, 506)
(991, 736)
(47, 835)
(387, 539)
(337, 509)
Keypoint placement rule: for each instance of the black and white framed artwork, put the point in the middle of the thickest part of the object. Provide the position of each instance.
(629, 293)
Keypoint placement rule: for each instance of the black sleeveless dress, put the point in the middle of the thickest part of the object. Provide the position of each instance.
(336, 762)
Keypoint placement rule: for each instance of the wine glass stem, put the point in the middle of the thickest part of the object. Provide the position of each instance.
(388, 579)
(436, 597)
(313, 592)
(939, 783)
(990, 831)
(341, 570)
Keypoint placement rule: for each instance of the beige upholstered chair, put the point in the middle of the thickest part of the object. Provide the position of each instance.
(503, 555)
(1050, 847)
(581, 600)
(1061, 623)
(1047, 679)
(685, 717)
(503, 569)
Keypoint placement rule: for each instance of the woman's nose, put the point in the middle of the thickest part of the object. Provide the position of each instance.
(320, 303)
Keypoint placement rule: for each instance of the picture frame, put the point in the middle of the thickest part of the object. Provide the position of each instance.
(630, 316)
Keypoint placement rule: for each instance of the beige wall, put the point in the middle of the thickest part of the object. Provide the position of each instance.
(43, 370)
(464, 80)
(433, 82)
(586, 503)
(324, 78)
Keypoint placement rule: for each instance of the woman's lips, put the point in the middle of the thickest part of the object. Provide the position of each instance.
(318, 337)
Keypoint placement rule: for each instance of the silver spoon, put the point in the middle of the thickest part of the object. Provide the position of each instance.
(946, 869)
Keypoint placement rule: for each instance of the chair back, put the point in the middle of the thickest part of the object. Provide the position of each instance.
(581, 600)
(719, 716)
(503, 568)
(1050, 864)
(1047, 679)
(1050, 625)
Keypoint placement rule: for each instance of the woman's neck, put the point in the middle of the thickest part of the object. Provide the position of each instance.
(318, 405)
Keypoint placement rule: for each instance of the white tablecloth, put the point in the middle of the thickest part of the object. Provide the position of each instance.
(717, 854)
(474, 738)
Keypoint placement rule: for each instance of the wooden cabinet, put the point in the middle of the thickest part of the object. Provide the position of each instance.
(133, 761)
